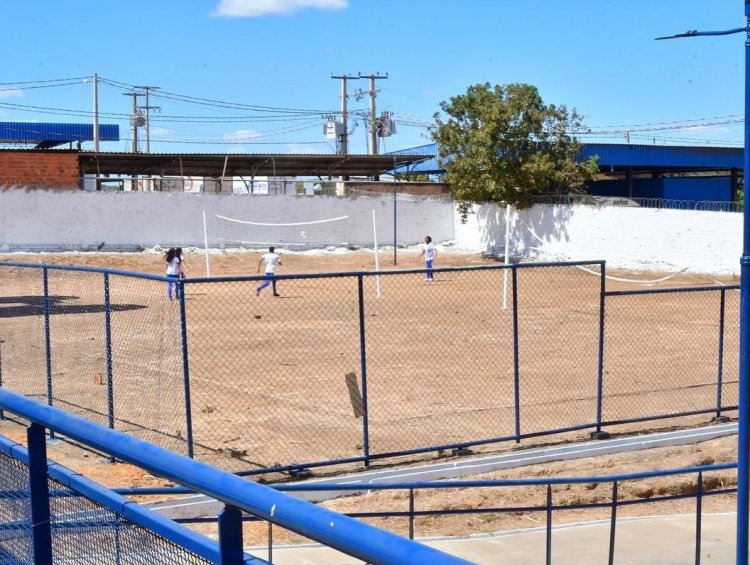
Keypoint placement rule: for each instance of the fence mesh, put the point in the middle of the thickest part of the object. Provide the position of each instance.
(15, 512)
(268, 374)
(86, 532)
(439, 366)
(558, 325)
(355, 365)
(662, 351)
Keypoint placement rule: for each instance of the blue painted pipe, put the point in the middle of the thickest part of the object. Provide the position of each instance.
(354, 538)
(743, 462)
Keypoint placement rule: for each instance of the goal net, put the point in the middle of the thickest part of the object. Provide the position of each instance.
(315, 234)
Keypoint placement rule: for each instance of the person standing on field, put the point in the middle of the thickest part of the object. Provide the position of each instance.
(430, 254)
(271, 261)
(175, 270)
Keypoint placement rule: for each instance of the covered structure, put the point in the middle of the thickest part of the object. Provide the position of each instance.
(665, 172)
(215, 165)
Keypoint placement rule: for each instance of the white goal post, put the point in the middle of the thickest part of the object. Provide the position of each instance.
(239, 233)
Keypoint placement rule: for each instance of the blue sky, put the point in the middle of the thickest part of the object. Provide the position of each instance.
(233, 56)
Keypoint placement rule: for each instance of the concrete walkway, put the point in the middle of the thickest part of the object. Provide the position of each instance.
(668, 540)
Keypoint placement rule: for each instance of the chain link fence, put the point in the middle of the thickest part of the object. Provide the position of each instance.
(351, 367)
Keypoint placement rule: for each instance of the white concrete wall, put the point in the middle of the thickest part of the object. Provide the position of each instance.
(37, 220)
(627, 238)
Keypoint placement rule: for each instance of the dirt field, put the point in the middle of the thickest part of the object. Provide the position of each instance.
(267, 374)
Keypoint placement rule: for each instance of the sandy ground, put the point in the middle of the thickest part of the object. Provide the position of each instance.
(415, 397)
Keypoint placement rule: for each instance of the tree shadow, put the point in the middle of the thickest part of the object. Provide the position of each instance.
(20, 306)
(530, 228)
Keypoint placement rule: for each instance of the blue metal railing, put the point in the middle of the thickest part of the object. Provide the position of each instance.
(334, 530)
(548, 508)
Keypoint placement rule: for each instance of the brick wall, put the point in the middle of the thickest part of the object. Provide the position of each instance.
(39, 169)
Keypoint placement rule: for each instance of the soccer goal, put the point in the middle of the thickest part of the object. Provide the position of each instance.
(243, 233)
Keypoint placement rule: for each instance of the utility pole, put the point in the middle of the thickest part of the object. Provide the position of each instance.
(373, 119)
(96, 114)
(134, 121)
(147, 89)
(344, 141)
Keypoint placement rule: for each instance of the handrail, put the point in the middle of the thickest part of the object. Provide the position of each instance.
(324, 526)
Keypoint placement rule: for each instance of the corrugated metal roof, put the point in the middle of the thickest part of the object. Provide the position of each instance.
(51, 134)
(241, 164)
(614, 156)
(664, 156)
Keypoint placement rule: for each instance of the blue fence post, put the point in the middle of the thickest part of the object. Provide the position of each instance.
(108, 354)
(613, 525)
(698, 517)
(411, 513)
(720, 364)
(599, 434)
(548, 559)
(230, 536)
(270, 542)
(180, 289)
(516, 376)
(40, 515)
(47, 338)
(2, 412)
(363, 369)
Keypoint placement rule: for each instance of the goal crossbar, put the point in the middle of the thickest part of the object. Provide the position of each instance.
(282, 225)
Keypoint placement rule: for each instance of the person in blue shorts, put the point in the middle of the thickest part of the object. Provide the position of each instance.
(271, 261)
(175, 270)
(430, 253)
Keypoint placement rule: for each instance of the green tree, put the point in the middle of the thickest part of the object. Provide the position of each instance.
(503, 144)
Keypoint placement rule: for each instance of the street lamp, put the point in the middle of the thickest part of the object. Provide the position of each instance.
(743, 436)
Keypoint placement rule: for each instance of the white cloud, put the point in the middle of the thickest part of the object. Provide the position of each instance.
(162, 133)
(259, 8)
(241, 135)
(299, 149)
(11, 93)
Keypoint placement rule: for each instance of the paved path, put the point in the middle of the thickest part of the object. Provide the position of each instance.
(668, 540)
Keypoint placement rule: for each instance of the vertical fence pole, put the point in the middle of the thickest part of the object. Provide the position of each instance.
(720, 364)
(613, 525)
(40, 516)
(270, 542)
(230, 536)
(548, 560)
(600, 368)
(180, 289)
(363, 369)
(743, 424)
(47, 339)
(516, 377)
(411, 513)
(2, 412)
(698, 517)
(108, 353)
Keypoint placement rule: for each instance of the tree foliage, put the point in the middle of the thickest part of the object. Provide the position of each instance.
(503, 144)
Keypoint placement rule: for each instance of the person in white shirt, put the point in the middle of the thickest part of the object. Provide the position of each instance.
(430, 253)
(175, 270)
(271, 260)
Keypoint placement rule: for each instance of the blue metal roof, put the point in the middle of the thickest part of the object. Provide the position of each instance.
(619, 156)
(51, 134)
(668, 156)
